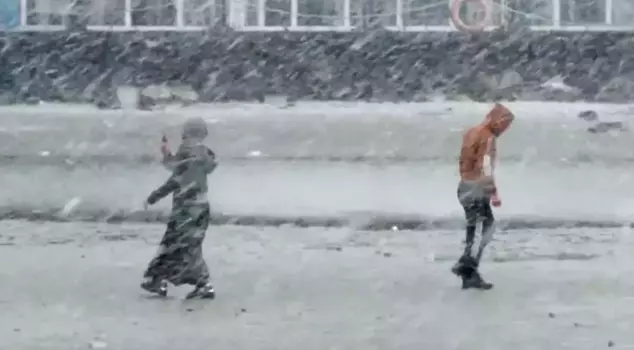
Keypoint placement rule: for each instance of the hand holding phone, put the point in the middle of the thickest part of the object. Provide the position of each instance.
(165, 148)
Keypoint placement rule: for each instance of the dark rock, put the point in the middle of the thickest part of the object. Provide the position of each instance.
(379, 65)
(602, 127)
(590, 116)
(145, 102)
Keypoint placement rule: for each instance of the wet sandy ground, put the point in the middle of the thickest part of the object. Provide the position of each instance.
(419, 132)
(327, 160)
(75, 286)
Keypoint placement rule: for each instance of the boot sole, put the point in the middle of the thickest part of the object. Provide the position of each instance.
(477, 288)
(159, 292)
(196, 295)
(201, 297)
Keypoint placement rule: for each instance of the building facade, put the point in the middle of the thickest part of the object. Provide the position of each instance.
(313, 15)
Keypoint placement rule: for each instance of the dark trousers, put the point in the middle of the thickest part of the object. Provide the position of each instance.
(477, 207)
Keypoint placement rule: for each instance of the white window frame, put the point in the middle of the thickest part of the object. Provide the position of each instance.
(237, 9)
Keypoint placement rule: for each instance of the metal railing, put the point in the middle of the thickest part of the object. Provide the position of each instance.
(307, 15)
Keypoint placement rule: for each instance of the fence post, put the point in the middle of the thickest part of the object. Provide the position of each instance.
(180, 13)
(556, 13)
(346, 13)
(24, 10)
(261, 11)
(128, 14)
(399, 14)
(294, 13)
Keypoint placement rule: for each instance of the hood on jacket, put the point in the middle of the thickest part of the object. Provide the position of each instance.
(195, 129)
(499, 119)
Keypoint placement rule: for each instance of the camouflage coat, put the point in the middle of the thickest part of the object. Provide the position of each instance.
(179, 259)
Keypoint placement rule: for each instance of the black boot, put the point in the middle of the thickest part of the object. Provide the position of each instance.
(467, 269)
(475, 281)
(203, 291)
(465, 266)
(155, 286)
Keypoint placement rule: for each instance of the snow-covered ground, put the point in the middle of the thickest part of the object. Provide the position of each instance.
(75, 286)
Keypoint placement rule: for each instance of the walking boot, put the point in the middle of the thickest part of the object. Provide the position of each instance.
(475, 281)
(203, 291)
(464, 266)
(155, 286)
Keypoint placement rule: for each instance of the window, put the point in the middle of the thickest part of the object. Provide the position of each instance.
(204, 12)
(105, 12)
(66, 12)
(252, 12)
(426, 13)
(530, 12)
(275, 12)
(9, 14)
(373, 13)
(278, 13)
(320, 13)
(153, 13)
(582, 12)
(623, 12)
(46, 12)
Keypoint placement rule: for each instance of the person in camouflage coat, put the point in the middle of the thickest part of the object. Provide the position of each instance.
(179, 259)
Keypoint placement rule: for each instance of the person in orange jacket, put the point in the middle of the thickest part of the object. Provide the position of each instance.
(477, 191)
